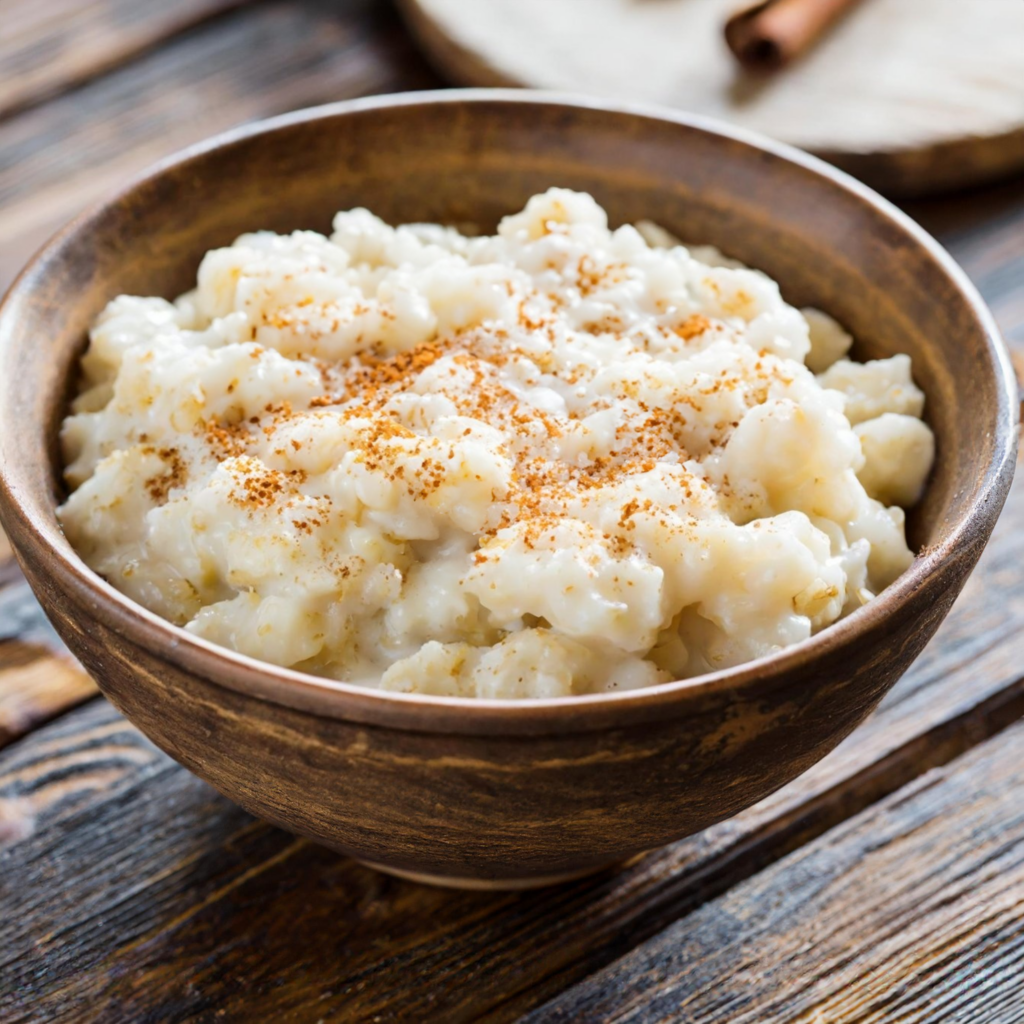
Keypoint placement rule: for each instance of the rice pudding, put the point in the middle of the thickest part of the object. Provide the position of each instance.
(553, 461)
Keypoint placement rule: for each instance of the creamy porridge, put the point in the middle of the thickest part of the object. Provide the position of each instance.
(554, 461)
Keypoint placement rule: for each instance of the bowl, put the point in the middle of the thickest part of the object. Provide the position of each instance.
(507, 793)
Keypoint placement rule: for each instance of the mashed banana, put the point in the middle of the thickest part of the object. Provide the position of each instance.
(554, 461)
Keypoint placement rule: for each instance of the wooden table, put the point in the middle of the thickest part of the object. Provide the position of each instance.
(886, 884)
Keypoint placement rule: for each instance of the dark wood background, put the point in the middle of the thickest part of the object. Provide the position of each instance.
(886, 884)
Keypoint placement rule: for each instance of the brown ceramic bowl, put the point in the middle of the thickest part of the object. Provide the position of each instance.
(507, 793)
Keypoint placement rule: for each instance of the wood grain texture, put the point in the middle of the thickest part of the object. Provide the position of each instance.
(39, 679)
(56, 158)
(911, 911)
(35, 686)
(984, 230)
(46, 48)
(941, 106)
(304, 932)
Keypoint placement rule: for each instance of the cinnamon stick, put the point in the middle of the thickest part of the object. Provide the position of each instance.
(769, 34)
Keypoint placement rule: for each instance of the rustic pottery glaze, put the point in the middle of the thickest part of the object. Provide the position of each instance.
(507, 794)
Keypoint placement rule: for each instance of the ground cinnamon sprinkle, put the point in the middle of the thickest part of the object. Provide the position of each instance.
(465, 371)
(174, 474)
(693, 327)
(258, 487)
(227, 441)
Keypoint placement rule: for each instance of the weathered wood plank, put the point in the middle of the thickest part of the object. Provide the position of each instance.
(56, 158)
(175, 871)
(35, 686)
(984, 230)
(47, 47)
(79, 761)
(38, 677)
(913, 910)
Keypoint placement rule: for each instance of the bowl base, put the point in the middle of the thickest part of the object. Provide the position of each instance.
(484, 884)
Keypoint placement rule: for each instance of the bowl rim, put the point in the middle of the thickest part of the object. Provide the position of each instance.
(429, 713)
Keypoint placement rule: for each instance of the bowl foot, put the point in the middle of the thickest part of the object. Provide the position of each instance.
(484, 884)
